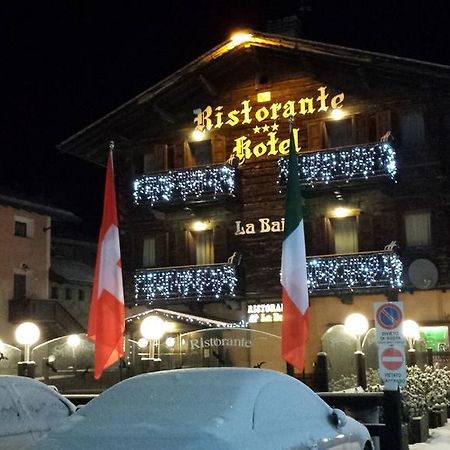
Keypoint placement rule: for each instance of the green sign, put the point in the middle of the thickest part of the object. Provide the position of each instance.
(436, 337)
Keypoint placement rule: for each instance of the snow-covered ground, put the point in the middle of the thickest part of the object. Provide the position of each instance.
(439, 439)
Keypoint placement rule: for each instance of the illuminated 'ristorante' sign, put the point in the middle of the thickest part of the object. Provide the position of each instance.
(264, 120)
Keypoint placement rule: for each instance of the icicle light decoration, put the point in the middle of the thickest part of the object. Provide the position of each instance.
(343, 164)
(218, 281)
(185, 184)
(356, 271)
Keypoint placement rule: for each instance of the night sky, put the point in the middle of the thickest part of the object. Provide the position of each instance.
(66, 63)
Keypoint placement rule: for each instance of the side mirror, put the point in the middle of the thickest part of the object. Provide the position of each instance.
(338, 417)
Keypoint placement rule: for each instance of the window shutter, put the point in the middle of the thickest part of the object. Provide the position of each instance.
(178, 155)
(315, 135)
(218, 149)
(188, 159)
(361, 129)
(383, 123)
(365, 232)
(320, 238)
(161, 249)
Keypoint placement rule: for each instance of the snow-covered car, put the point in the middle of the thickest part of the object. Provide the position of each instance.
(28, 410)
(208, 409)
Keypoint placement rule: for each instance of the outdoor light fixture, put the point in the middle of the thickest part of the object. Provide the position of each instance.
(73, 341)
(153, 329)
(240, 37)
(411, 332)
(142, 342)
(200, 225)
(341, 212)
(170, 342)
(337, 114)
(262, 97)
(357, 325)
(198, 135)
(27, 334)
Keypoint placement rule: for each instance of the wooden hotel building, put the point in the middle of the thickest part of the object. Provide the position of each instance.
(200, 162)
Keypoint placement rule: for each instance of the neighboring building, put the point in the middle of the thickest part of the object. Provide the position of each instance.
(26, 229)
(201, 220)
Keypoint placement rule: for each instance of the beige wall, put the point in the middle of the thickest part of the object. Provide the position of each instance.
(33, 250)
(425, 307)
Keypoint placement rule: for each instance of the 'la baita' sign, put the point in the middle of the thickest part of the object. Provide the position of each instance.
(215, 118)
(263, 225)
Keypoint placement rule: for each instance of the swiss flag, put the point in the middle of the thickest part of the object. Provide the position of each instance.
(107, 314)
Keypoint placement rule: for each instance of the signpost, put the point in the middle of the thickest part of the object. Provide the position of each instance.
(391, 344)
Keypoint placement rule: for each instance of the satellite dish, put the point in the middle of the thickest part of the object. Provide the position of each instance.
(423, 274)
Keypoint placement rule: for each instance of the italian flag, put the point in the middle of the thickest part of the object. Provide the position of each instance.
(294, 330)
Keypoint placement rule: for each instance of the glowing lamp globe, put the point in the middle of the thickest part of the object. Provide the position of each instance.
(73, 340)
(170, 342)
(153, 328)
(27, 333)
(142, 343)
(410, 329)
(356, 324)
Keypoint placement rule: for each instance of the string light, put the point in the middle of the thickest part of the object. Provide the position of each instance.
(214, 280)
(343, 164)
(357, 271)
(185, 184)
(187, 318)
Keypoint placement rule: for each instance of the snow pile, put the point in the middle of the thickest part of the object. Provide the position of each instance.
(439, 440)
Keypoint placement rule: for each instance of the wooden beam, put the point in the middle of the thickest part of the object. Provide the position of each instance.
(208, 85)
(163, 114)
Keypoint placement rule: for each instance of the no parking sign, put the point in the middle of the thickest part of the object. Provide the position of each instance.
(391, 344)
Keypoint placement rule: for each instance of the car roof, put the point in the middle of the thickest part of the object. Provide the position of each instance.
(210, 397)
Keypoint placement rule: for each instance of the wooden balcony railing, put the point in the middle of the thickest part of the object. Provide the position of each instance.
(208, 282)
(343, 164)
(196, 184)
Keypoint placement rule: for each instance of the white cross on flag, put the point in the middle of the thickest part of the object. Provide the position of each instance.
(107, 314)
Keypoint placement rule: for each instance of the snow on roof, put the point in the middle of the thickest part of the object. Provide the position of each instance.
(72, 270)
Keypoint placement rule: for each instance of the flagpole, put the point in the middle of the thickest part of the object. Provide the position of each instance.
(290, 370)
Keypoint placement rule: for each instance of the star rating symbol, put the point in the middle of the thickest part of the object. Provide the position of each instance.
(275, 126)
(256, 129)
(265, 128)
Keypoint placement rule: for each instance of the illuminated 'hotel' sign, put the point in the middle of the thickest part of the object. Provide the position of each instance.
(214, 118)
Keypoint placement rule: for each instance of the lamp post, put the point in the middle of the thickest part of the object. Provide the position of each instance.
(27, 334)
(153, 329)
(357, 325)
(411, 331)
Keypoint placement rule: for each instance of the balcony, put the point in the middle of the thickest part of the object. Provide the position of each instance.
(343, 165)
(192, 185)
(209, 282)
(358, 272)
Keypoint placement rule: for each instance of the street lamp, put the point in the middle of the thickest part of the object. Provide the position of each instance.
(357, 325)
(27, 334)
(411, 331)
(153, 329)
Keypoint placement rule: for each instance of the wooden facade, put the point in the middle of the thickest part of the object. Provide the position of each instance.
(397, 208)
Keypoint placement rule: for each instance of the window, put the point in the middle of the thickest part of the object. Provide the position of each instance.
(345, 232)
(148, 252)
(81, 295)
(204, 247)
(412, 129)
(20, 229)
(68, 294)
(201, 153)
(338, 133)
(54, 292)
(155, 159)
(418, 229)
(20, 286)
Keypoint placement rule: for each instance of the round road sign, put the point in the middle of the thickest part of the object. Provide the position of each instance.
(392, 358)
(389, 316)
